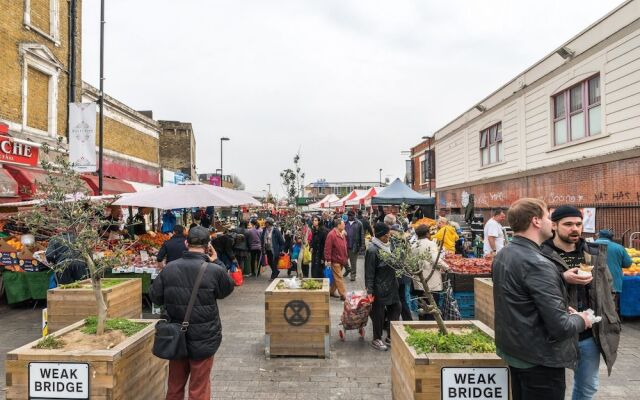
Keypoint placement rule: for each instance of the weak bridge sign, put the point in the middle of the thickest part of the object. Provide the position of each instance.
(53, 380)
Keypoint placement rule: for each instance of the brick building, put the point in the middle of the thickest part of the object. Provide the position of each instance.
(131, 141)
(422, 170)
(39, 75)
(321, 188)
(178, 147)
(566, 130)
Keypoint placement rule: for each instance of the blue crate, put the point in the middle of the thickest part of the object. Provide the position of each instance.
(464, 299)
(630, 296)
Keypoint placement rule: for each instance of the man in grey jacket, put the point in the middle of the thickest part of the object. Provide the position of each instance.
(535, 329)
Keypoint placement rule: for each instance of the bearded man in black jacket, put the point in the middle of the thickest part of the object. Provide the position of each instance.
(172, 288)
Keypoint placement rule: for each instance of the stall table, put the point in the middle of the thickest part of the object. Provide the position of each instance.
(21, 286)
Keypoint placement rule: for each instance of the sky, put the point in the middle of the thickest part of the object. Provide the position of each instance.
(349, 84)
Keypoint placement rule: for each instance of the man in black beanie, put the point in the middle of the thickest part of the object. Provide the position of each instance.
(586, 290)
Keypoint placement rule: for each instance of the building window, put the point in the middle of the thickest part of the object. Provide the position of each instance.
(42, 16)
(427, 166)
(577, 112)
(40, 71)
(491, 144)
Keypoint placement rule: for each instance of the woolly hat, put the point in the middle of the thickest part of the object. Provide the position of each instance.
(380, 229)
(564, 212)
(605, 233)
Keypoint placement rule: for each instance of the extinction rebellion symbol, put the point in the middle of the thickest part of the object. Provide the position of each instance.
(297, 312)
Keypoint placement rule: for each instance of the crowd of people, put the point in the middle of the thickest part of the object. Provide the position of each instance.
(544, 303)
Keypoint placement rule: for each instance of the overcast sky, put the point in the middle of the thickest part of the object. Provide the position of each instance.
(350, 84)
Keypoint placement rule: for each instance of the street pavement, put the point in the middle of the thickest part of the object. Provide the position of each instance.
(354, 371)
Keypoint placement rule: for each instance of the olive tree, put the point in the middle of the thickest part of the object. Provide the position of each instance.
(66, 215)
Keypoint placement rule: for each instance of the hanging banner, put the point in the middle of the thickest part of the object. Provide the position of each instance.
(82, 136)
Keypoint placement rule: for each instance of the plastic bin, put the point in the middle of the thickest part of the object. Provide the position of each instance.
(630, 296)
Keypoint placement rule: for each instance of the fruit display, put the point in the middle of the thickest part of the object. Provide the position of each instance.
(471, 266)
(634, 269)
(423, 221)
(152, 239)
(15, 243)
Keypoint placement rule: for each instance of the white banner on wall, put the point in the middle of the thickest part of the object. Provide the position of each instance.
(82, 136)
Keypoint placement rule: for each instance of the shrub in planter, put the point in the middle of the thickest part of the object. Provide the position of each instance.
(297, 321)
(116, 363)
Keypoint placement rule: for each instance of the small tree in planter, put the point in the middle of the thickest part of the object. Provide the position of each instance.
(66, 214)
(408, 263)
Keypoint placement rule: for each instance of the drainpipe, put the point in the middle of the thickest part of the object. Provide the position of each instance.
(71, 95)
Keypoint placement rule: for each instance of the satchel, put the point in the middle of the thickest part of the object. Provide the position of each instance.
(170, 341)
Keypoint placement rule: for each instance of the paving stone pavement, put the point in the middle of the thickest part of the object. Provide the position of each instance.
(354, 371)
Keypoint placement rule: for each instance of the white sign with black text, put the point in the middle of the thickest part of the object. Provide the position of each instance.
(477, 383)
(50, 380)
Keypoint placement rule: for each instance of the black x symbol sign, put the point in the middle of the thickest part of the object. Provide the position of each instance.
(297, 312)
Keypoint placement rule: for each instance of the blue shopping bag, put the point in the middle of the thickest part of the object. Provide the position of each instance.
(328, 273)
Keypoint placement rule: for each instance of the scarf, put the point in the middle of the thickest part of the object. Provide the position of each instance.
(386, 247)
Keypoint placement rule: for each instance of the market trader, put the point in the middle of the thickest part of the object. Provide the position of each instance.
(173, 248)
(617, 258)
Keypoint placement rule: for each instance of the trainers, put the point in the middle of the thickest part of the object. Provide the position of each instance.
(346, 273)
(379, 345)
(353, 278)
(387, 341)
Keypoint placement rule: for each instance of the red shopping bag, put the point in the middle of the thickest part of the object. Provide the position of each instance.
(284, 262)
(237, 277)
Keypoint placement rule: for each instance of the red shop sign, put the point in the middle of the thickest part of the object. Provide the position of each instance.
(14, 152)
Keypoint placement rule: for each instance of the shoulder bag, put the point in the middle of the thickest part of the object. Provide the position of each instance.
(170, 341)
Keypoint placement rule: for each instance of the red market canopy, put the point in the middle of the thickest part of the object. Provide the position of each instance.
(342, 201)
(27, 179)
(109, 185)
(324, 203)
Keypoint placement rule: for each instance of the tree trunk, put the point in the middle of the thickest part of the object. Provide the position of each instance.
(97, 292)
(434, 310)
(102, 307)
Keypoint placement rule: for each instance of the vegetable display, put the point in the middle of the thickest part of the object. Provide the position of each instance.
(472, 266)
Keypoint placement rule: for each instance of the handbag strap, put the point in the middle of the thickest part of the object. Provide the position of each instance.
(194, 294)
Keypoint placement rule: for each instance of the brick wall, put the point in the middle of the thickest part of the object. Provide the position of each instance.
(611, 188)
(177, 147)
(12, 33)
(127, 140)
(418, 184)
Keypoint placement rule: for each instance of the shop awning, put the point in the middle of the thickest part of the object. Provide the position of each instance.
(109, 185)
(28, 179)
(8, 187)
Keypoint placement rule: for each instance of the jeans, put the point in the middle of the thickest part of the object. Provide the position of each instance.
(255, 262)
(585, 379)
(537, 383)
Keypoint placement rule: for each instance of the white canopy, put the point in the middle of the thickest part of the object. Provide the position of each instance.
(342, 201)
(359, 199)
(324, 203)
(187, 196)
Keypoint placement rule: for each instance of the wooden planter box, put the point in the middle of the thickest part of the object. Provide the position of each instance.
(418, 376)
(67, 306)
(296, 321)
(127, 371)
(483, 293)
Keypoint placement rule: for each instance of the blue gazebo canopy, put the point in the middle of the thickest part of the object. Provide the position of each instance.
(398, 193)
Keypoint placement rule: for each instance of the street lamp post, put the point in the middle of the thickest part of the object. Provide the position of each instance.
(380, 179)
(101, 119)
(222, 139)
(269, 193)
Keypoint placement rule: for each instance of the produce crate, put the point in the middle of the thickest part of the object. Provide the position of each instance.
(464, 282)
(466, 304)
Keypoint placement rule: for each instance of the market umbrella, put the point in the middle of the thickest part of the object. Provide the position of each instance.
(187, 196)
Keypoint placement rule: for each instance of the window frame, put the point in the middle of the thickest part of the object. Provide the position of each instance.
(585, 110)
(491, 137)
(40, 58)
(54, 21)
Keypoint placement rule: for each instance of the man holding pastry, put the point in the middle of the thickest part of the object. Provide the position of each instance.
(588, 280)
